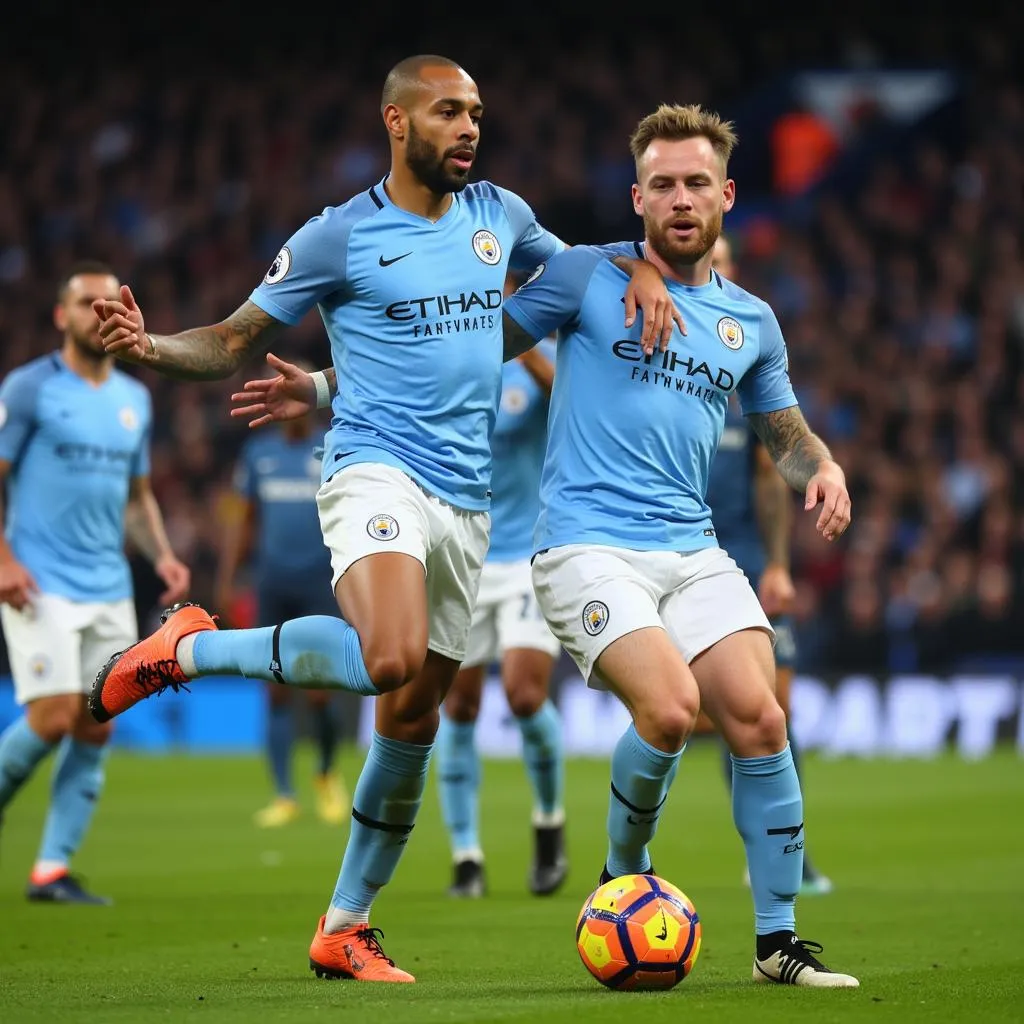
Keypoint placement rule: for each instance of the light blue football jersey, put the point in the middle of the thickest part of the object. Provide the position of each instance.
(730, 494)
(413, 310)
(74, 448)
(631, 437)
(281, 477)
(517, 447)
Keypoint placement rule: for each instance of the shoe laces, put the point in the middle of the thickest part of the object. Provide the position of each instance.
(158, 675)
(801, 949)
(371, 937)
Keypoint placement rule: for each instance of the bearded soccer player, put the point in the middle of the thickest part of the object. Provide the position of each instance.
(627, 568)
(408, 279)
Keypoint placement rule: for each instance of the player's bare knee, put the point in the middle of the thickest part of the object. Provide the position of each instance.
(462, 707)
(53, 718)
(758, 733)
(413, 719)
(668, 724)
(526, 697)
(390, 667)
(88, 730)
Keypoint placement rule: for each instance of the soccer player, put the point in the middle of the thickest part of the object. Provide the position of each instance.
(752, 508)
(274, 514)
(627, 567)
(408, 277)
(508, 627)
(74, 453)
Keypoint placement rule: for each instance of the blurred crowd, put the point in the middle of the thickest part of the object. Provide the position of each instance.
(902, 299)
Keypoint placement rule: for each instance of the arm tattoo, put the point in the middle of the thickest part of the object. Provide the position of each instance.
(795, 450)
(215, 352)
(773, 509)
(332, 379)
(517, 341)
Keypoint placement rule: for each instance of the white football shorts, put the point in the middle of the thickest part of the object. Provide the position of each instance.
(370, 508)
(56, 645)
(591, 595)
(507, 616)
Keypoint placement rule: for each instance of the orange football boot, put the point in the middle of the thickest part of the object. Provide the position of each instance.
(354, 953)
(149, 666)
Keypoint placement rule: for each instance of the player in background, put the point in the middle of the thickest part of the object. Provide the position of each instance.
(408, 277)
(508, 628)
(74, 456)
(752, 508)
(273, 523)
(628, 570)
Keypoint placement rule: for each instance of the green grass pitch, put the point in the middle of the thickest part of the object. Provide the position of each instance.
(213, 917)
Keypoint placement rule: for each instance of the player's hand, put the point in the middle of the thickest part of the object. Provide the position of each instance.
(176, 575)
(775, 590)
(17, 587)
(828, 488)
(288, 396)
(648, 292)
(122, 329)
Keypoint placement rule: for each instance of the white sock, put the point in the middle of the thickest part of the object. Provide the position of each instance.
(49, 867)
(551, 819)
(338, 920)
(474, 854)
(183, 652)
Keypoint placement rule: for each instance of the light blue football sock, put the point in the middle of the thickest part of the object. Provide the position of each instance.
(21, 749)
(384, 807)
(641, 775)
(768, 810)
(458, 784)
(317, 651)
(280, 739)
(78, 778)
(543, 756)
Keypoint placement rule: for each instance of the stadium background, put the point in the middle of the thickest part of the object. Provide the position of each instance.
(880, 210)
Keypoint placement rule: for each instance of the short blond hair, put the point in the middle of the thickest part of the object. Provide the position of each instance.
(675, 121)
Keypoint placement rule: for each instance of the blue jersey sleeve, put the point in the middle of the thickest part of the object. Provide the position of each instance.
(551, 298)
(310, 266)
(19, 395)
(141, 463)
(766, 387)
(534, 244)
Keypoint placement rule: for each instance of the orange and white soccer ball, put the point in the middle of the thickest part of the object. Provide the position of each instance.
(638, 932)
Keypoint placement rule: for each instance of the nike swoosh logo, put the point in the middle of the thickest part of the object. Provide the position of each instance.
(387, 263)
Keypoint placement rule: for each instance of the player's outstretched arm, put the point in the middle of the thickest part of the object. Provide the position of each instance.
(806, 465)
(203, 353)
(289, 395)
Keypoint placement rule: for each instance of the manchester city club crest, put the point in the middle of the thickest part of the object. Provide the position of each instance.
(595, 617)
(731, 332)
(382, 527)
(486, 247)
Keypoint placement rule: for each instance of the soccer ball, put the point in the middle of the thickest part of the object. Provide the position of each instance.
(638, 932)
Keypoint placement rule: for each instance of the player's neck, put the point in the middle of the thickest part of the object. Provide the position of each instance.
(95, 371)
(693, 275)
(411, 195)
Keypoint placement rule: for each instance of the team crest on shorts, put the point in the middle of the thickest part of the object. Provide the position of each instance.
(595, 617)
(382, 527)
(280, 267)
(486, 247)
(731, 333)
(39, 666)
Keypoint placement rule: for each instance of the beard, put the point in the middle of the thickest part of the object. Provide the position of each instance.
(89, 346)
(683, 252)
(422, 158)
